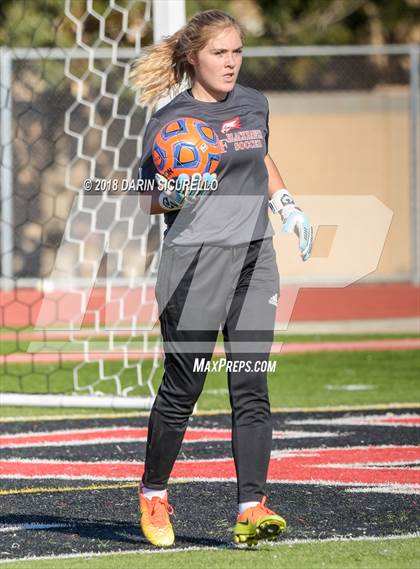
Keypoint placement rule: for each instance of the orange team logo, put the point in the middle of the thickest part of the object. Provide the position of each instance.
(230, 124)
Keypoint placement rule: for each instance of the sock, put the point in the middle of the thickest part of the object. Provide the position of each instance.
(244, 505)
(150, 493)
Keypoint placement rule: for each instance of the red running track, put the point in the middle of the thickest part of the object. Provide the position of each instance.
(288, 348)
(21, 307)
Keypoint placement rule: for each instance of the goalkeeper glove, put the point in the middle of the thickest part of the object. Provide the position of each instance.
(294, 220)
(183, 190)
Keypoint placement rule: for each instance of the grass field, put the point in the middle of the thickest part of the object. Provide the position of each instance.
(136, 342)
(313, 380)
(378, 554)
(300, 380)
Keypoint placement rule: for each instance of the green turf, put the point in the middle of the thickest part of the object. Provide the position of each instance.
(381, 554)
(300, 380)
(137, 342)
(28, 412)
(286, 337)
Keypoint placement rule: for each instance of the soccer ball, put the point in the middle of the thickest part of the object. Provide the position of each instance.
(186, 146)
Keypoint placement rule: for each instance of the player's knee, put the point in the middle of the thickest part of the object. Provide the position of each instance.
(254, 416)
(250, 401)
(178, 405)
(248, 385)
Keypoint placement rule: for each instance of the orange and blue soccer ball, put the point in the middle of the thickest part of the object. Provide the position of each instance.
(186, 146)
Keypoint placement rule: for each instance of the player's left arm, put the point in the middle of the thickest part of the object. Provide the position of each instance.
(282, 202)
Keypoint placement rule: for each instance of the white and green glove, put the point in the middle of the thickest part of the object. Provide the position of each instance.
(294, 220)
(184, 190)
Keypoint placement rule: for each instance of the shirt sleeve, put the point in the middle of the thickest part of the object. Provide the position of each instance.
(147, 168)
(268, 129)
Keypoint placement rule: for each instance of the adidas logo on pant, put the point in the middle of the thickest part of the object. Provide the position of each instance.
(273, 300)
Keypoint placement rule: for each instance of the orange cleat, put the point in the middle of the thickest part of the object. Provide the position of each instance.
(256, 523)
(155, 522)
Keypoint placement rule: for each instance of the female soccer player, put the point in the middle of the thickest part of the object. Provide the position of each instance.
(217, 268)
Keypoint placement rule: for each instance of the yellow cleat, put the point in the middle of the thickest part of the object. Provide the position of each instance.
(155, 522)
(257, 523)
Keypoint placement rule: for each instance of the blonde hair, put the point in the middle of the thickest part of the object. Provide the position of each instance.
(163, 66)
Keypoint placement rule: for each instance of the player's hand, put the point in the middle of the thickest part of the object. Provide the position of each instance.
(198, 187)
(184, 190)
(294, 220)
(169, 200)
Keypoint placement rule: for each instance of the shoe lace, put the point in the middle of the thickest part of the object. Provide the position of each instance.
(261, 507)
(159, 511)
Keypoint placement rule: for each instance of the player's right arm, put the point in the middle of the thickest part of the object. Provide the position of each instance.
(169, 195)
(149, 198)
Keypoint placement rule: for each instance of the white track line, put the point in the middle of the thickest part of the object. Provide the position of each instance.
(20, 527)
(386, 489)
(129, 435)
(387, 420)
(341, 539)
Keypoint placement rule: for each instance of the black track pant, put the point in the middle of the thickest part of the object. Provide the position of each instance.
(198, 290)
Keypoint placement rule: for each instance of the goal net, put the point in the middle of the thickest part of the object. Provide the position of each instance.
(79, 258)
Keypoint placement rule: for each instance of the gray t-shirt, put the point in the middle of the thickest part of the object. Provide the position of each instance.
(236, 212)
